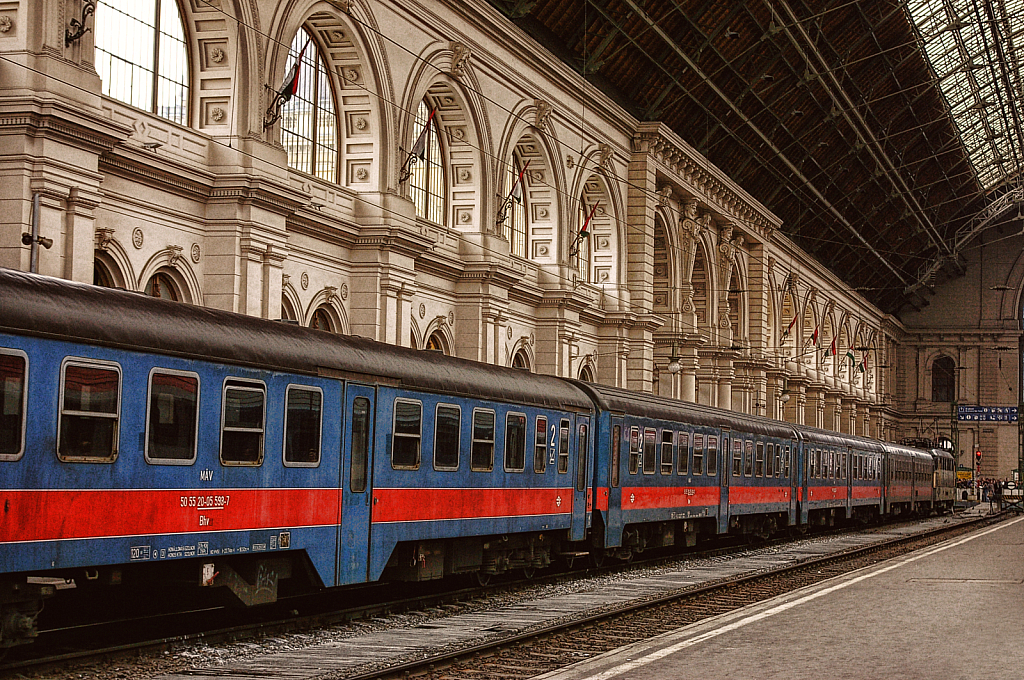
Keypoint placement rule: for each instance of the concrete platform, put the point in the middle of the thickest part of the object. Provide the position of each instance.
(953, 611)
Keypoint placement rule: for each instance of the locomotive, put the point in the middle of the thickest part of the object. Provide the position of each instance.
(151, 442)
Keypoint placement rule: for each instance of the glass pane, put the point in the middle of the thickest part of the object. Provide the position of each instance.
(712, 455)
(563, 447)
(582, 444)
(173, 410)
(540, 451)
(302, 426)
(12, 401)
(360, 443)
(634, 450)
(666, 452)
(683, 453)
(87, 437)
(515, 441)
(242, 447)
(243, 408)
(482, 455)
(698, 454)
(447, 437)
(405, 448)
(90, 390)
(649, 450)
(616, 453)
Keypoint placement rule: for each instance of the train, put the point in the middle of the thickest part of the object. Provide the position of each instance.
(149, 442)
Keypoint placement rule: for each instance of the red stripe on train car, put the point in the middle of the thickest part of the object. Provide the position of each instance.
(758, 494)
(36, 515)
(860, 492)
(653, 497)
(602, 498)
(426, 505)
(826, 493)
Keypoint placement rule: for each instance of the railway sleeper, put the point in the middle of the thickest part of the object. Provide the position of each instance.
(20, 604)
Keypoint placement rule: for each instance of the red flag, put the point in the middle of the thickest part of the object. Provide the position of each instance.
(420, 147)
(814, 337)
(583, 230)
(791, 324)
(291, 80)
(517, 186)
(830, 352)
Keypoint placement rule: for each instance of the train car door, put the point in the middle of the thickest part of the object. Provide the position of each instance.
(357, 487)
(848, 471)
(724, 473)
(580, 501)
(789, 468)
(618, 444)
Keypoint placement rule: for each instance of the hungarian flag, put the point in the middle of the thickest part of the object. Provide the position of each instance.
(788, 330)
(830, 352)
(517, 186)
(849, 355)
(586, 223)
(291, 80)
(420, 147)
(863, 366)
(814, 337)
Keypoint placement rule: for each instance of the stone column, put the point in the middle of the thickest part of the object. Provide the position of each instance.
(815, 406)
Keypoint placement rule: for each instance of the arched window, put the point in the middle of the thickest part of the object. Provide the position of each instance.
(515, 218)
(322, 320)
(426, 184)
(141, 56)
(287, 311)
(587, 375)
(581, 246)
(162, 286)
(309, 126)
(101, 276)
(521, 360)
(943, 379)
(436, 343)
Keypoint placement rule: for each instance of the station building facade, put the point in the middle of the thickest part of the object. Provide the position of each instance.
(436, 179)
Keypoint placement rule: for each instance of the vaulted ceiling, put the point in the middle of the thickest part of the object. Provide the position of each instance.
(832, 114)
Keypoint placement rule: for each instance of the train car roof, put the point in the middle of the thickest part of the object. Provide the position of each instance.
(65, 310)
(941, 453)
(816, 435)
(645, 405)
(891, 447)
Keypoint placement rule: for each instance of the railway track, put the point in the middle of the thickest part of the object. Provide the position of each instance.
(324, 612)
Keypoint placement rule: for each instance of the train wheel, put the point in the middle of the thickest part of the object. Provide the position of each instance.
(529, 572)
(597, 557)
(483, 578)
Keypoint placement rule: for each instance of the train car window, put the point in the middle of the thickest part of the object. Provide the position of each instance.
(616, 451)
(90, 400)
(405, 435)
(759, 460)
(748, 460)
(769, 460)
(667, 439)
(481, 458)
(711, 457)
(360, 444)
(303, 419)
(634, 450)
(242, 422)
(737, 457)
(447, 436)
(845, 457)
(650, 450)
(778, 460)
(540, 447)
(698, 454)
(785, 461)
(13, 378)
(582, 446)
(563, 447)
(515, 442)
(172, 418)
(683, 453)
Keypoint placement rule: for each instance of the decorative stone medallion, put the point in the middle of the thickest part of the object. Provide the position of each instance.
(137, 237)
(196, 253)
(304, 280)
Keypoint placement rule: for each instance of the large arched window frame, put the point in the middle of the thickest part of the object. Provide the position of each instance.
(142, 56)
(309, 122)
(515, 218)
(427, 182)
(943, 379)
(581, 247)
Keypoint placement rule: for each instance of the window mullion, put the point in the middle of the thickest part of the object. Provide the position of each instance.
(156, 58)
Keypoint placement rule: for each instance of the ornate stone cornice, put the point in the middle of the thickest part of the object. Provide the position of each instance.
(698, 174)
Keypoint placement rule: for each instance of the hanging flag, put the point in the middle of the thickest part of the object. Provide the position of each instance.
(517, 186)
(853, 359)
(586, 223)
(420, 147)
(291, 80)
(863, 363)
(830, 352)
(814, 337)
(788, 330)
